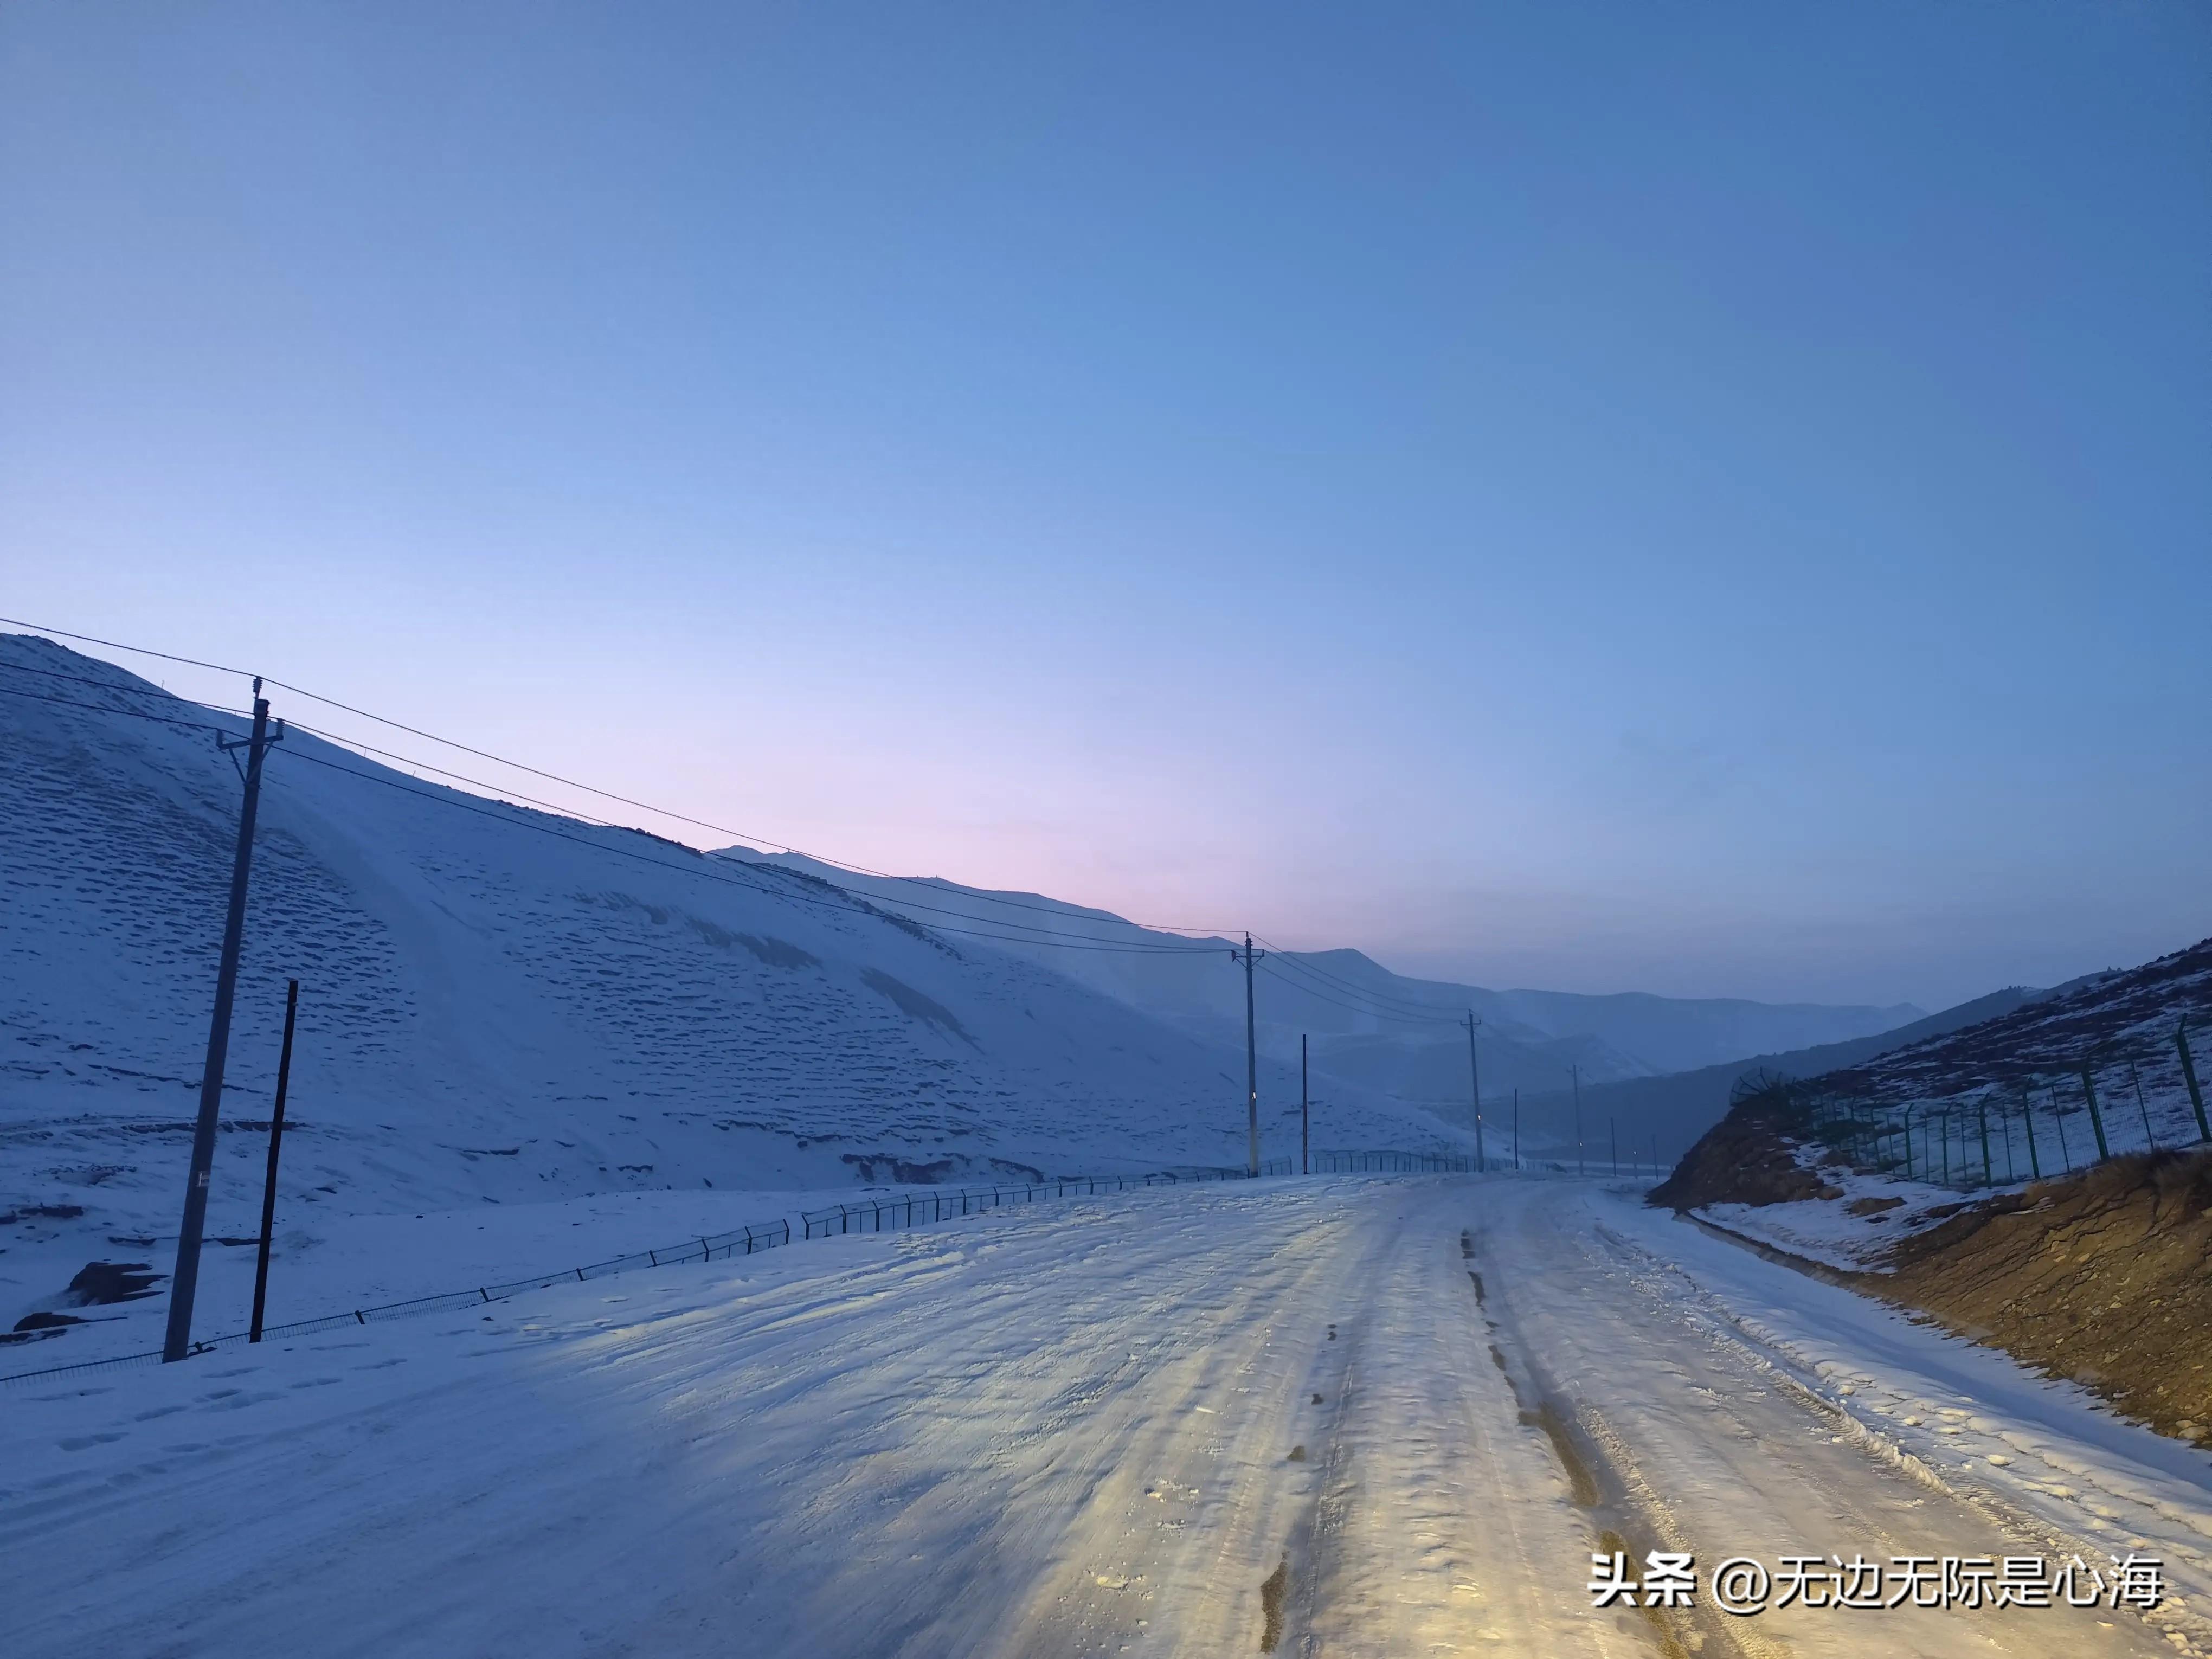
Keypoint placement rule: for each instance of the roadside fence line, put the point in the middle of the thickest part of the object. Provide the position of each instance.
(876, 1215)
(865, 1215)
(2031, 1121)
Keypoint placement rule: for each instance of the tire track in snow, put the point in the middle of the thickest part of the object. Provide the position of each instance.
(1716, 1449)
(1445, 1526)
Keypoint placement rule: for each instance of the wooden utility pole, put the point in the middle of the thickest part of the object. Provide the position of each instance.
(1305, 1136)
(1474, 1079)
(185, 1282)
(1248, 956)
(275, 1135)
(1576, 1073)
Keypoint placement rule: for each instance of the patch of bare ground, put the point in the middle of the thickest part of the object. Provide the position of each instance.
(2105, 1276)
(1270, 1606)
(1750, 1156)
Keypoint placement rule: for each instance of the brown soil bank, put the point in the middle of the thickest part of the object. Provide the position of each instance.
(1750, 1156)
(2105, 1276)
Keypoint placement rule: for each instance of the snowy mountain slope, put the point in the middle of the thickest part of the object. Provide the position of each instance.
(500, 1004)
(2120, 1026)
(1354, 1009)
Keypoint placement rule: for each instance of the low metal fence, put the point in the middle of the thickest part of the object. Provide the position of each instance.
(876, 1215)
(868, 1215)
(743, 1241)
(2020, 1122)
(1384, 1162)
(860, 1216)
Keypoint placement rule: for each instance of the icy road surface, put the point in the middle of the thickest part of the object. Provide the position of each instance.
(1166, 1423)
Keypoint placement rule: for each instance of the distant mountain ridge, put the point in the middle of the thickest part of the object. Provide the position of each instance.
(1369, 1027)
(1678, 1108)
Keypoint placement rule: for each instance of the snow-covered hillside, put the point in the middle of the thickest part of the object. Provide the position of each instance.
(1374, 1028)
(2119, 1026)
(500, 1004)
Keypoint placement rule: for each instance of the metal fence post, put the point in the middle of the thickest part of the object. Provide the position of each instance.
(2189, 1075)
(2143, 1106)
(2096, 1117)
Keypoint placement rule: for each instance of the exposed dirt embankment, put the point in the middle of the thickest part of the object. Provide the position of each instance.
(2105, 1276)
(1748, 1158)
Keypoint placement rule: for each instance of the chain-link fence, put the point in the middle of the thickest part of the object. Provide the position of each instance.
(876, 1215)
(860, 1216)
(743, 1241)
(864, 1215)
(2016, 1122)
(1384, 1162)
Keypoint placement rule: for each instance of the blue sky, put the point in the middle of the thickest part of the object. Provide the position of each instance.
(1706, 499)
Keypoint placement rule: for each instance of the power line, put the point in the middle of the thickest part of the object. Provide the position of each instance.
(118, 645)
(1346, 984)
(1372, 1014)
(109, 685)
(132, 714)
(604, 794)
(1049, 938)
(1382, 1011)
(1046, 933)
(854, 905)
(704, 823)
(1043, 936)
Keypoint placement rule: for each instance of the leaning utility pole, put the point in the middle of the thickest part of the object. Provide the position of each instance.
(1247, 956)
(275, 1139)
(1576, 1072)
(1305, 1139)
(178, 1341)
(1474, 1079)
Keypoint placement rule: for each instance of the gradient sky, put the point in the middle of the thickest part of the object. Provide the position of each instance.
(1709, 499)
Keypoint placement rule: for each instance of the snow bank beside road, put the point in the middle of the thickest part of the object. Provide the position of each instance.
(1830, 1232)
(1979, 1423)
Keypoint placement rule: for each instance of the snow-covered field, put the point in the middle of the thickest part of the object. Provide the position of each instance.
(1098, 1426)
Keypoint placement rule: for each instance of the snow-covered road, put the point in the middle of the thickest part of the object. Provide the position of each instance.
(1176, 1422)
